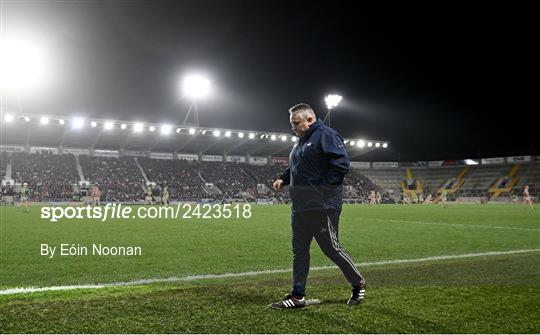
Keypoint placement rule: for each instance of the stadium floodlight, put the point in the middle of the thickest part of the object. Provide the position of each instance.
(77, 123)
(240, 135)
(251, 136)
(151, 128)
(27, 118)
(192, 131)
(204, 132)
(62, 121)
(361, 143)
(9, 118)
(332, 100)
(196, 86)
(123, 126)
(216, 133)
(138, 127)
(93, 124)
(377, 145)
(370, 144)
(273, 137)
(108, 125)
(228, 133)
(283, 138)
(294, 138)
(345, 141)
(23, 64)
(44, 120)
(165, 129)
(353, 143)
(385, 145)
(178, 130)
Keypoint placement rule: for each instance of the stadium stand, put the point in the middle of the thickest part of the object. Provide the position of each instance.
(180, 176)
(52, 177)
(118, 178)
(233, 181)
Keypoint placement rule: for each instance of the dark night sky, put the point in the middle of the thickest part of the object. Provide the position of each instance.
(446, 80)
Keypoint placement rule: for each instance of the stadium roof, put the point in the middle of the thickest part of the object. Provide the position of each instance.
(58, 131)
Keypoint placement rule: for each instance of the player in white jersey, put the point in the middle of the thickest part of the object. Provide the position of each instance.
(96, 195)
(527, 199)
(372, 198)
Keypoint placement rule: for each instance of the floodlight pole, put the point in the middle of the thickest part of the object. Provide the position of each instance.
(327, 117)
(192, 107)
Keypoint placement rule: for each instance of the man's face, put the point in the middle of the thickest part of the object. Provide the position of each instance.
(300, 125)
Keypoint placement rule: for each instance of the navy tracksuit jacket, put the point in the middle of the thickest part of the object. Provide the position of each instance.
(317, 165)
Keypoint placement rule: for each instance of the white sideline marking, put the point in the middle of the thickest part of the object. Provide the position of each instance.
(428, 223)
(444, 224)
(18, 290)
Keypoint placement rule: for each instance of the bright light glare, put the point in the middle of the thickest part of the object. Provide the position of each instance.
(152, 128)
(8, 118)
(471, 162)
(123, 126)
(93, 124)
(385, 145)
(196, 86)
(370, 144)
(352, 143)
(216, 133)
(294, 138)
(27, 118)
(138, 127)
(284, 138)
(108, 125)
(165, 129)
(273, 137)
(23, 64)
(77, 123)
(332, 100)
(377, 145)
(44, 120)
(228, 133)
(241, 135)
(61, 121)
(251, 135)
(191, 131)
(361, 143)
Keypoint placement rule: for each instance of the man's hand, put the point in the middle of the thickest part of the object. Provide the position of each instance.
(278, 184)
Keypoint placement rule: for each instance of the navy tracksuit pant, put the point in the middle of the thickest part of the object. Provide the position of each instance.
(323, 226)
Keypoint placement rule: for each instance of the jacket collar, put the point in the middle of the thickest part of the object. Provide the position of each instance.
(315, 125)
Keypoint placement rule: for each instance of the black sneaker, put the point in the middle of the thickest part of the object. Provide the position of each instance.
(357, 294)
(289, 302)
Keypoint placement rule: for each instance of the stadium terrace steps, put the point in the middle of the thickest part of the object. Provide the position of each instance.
(475, 184)
(79, 168)
(141, 169)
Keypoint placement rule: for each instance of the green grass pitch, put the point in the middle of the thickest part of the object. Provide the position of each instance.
(497, 293)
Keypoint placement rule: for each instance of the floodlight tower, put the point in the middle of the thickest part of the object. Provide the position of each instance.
(195, 87)
(331, 100)
(24, 66)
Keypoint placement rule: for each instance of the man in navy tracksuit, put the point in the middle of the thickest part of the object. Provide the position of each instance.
(317, 165)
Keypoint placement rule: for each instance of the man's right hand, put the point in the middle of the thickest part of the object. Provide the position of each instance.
(278, 184)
